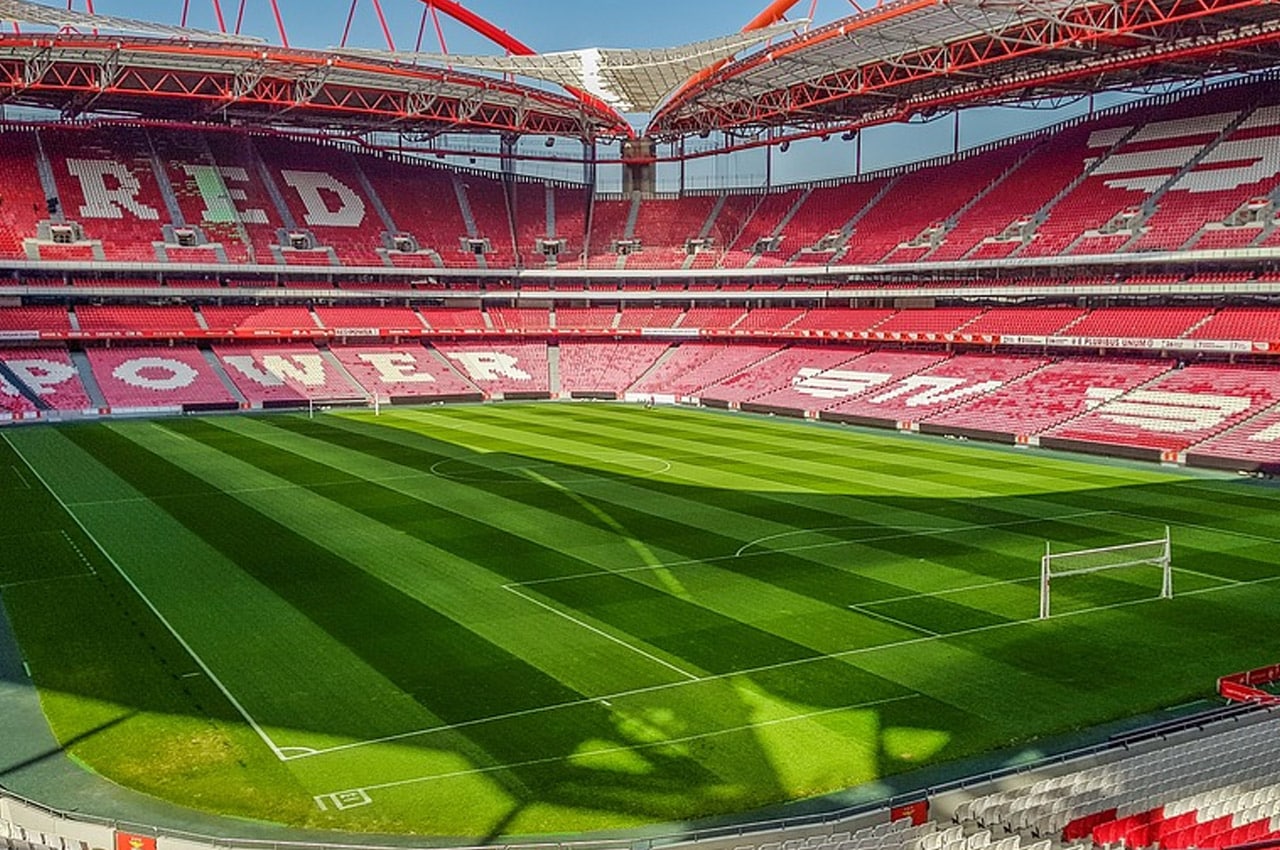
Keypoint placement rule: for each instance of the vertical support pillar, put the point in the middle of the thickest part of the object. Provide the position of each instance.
(679, 152)
(507, 164)
(768, 165)
(639, 167)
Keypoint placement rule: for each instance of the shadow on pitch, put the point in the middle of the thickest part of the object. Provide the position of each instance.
(672, 758)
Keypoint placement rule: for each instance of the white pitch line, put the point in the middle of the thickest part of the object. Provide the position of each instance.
(1209, 576)
(947, 591)
(44, 579)
(748, 671)
(534, 463)
(778, 721)
(825, 528)
(21, 477)
(1227, 531)
(601, 632)
(1232, 586)
(266, 739)
(386, 479)
(923, 532)
(765, 552)
(299, 750)
(895, 621)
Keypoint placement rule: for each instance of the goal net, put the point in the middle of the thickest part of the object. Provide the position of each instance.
(1054, 565)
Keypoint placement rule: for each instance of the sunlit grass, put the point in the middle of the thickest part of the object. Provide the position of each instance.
(550, 618)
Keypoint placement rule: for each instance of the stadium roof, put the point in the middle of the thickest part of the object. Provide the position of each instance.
(911, 56)
(25, 12)
(900, 59)
(107, 65)
(628, 80)
(167, 80)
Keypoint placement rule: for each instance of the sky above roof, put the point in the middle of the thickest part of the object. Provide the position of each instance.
(545, 25)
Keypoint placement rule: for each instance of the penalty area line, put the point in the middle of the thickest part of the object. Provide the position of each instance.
(601, 632)
(748, 671)
(266, 739)
(876, 615)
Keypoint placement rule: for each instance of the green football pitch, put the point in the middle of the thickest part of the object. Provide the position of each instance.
(531, 618)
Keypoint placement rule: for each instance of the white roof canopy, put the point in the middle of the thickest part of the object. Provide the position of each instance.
(26, 12)
(627, 80)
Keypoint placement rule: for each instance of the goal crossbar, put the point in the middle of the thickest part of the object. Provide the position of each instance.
(1156, 552)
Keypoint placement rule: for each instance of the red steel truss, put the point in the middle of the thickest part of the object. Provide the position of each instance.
(159, 78)
(515, 47)
(913, 56)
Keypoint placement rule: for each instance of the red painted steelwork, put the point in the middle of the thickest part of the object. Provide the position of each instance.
(1098, 24)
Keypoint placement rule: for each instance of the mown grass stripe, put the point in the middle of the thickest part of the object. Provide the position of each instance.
(359, 493)
(458, 681)
(822, 585)
(637, 610)
(781, 573)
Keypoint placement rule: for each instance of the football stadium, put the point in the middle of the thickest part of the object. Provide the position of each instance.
(835, 425)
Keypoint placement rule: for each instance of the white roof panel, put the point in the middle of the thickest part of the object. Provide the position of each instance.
(628, 80)
(25, 12)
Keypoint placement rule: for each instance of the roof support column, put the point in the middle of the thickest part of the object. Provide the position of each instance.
(679, 153)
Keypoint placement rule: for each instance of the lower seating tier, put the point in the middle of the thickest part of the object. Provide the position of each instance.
(47, 374)
(285, 374)
(605, 367)
(1225, 416)
(402, 371)
(149, 378)
(501, 369)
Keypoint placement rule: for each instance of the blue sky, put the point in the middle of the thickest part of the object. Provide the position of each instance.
(545, 25)
(549, 25)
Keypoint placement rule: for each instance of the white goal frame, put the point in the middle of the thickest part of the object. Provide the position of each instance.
(1126, 556)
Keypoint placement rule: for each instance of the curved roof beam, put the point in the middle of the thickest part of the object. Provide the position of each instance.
(772, 13)
(516, 47)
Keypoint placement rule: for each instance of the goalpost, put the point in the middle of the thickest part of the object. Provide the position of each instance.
(1155, 553)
